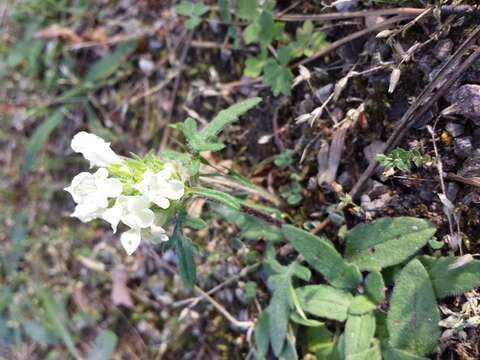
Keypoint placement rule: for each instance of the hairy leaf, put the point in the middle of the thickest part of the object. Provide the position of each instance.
(375, 286)
(217, 196)
(390, 353)
(373, 353)
(227, 116)
(386, 242)
(186, 256)
(413, 316)
(323, 257)
(324, 301)
(360, 305)
(262, 333)
(105, 344)
(359, 331)
(447, 279)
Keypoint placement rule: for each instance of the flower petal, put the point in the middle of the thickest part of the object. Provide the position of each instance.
(139, 219)
(160, 200)
(131, 240)
(110, 187)
(113, 215)
(158, 233)
(87, 212)
(174, 190)
(94, 149)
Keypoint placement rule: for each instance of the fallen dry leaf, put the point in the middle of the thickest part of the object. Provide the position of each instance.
(120, 293)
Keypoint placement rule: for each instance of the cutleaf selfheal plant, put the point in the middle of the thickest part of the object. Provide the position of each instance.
(320, 289)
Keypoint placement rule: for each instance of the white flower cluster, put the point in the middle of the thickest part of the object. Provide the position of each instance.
(123, 198)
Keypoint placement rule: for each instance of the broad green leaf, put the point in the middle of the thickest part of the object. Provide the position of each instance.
(262, 333)
(386, 242)
(375, 286)
(54, 314)
(254, 66)
(390, 353)
(319, 341)
(251, 33)
(217, 196)
(38, 333)
(373, 353)
(265, 35)
(323, 257)
(289, 351)
(106, 66)
(359, 331)
(413, 316)
(189, 8)
(226, 117)
(450, 277)
(278, 77)
(284, 55)
(360, 305)
(105, 344)
(324, 301)
(193, 22)
(186, 256)
(40, 137)
(246, 9)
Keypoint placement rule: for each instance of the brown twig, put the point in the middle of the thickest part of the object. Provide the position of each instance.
(351, 37)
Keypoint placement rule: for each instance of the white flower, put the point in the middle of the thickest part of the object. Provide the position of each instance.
(159, 188)
(94, 149)
(134, 212)
(131, 240)
(91, 193)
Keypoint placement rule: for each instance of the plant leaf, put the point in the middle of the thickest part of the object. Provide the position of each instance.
(390, 353)
(262, 334)
(448, 281)
(278, 77)
(246, 9)
(217, 196)
(373, 353)
(186, 256)
(40, 137)
(359, 331)
(323, 257)
(227, 116)
(107, 65)
(375, 286)
(386, 242)
(324, 301)
(413, 316)
(105, 344)
(360, 305)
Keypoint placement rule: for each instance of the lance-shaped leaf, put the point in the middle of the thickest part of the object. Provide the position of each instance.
(359, 332)
(450, 276)
(386, 242)
(324, 301)
(323, 257)
(217, 196)
(186, 256)
(413, 316)
(375, 286)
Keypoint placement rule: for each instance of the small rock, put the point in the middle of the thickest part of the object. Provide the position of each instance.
(455, 129)
(324, 92)
(443, 49)
(462, 146)
(346, 5)
(467, 102)
(471, 166)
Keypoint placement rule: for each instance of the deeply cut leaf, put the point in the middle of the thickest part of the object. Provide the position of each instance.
(413, 316)
(386, 242)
